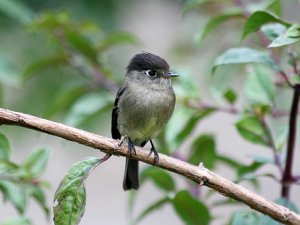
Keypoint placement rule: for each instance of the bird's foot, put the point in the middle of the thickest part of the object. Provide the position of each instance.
(131, 147)
(153, 150)
(122, 140)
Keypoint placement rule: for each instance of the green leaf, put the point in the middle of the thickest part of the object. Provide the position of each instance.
(36, 163)
(16, 10)
(190, 209)
(88, 27)
(4, 147)
(187, 88)
(161, 178)
(16, 194)
(244, 55)
(38, 194)
(275, 7)
(82, 44)
(250, 177)
(50, 21)
(219, 19)
(154, 206)
(41, 65)
(87, 106)
(70, 197)
(250, 128)
(260, 18)
(273, 30)
(229, 161)
(244, 218)
(21, 220)
(249, 172)
(291, 35)
(293, 31)
(245, 170)
(281, 137)
(7, 168)
(260, 87)
(178, 121)
(230, 95)
(117, 38)
(64, 99)
(190, 125)
(282, 41)
(203, 150)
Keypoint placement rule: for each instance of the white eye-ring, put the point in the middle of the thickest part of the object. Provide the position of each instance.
(151, 73)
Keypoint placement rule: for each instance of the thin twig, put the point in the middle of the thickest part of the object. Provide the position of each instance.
(102, 81)
(271, 143)
(194, 173)
(296, 178)
(228, 109)
(287, 177)
(286, 78)
(294, 61)
(96, 71)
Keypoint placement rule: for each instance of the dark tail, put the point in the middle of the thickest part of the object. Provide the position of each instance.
(131, 176)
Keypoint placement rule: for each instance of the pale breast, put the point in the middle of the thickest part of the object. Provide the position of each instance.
(144, 111)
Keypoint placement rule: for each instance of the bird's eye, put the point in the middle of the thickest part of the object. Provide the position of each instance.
(151, 73)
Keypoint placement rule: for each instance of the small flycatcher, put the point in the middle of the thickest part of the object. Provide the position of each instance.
(143, 106)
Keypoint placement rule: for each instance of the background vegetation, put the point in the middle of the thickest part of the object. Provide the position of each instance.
(238, 90)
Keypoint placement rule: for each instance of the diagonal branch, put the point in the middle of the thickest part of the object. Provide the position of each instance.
(199, 174)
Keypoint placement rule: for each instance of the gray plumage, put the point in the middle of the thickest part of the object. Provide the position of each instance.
(143, 106)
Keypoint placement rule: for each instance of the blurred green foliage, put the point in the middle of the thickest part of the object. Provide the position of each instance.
(21, 182)
(66, 75)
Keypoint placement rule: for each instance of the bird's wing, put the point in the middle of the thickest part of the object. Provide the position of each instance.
(115, 114)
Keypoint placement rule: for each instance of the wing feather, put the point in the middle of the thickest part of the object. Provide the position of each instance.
(115, 114)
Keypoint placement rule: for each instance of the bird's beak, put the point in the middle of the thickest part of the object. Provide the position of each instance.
(171, 74)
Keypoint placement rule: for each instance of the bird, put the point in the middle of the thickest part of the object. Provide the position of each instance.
(144, 104)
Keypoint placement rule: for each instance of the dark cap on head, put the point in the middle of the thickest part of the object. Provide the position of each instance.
(147, 61)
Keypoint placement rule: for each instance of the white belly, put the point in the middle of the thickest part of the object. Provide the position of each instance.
(143, 112)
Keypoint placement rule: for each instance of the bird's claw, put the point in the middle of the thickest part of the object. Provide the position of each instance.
(131, 147)
(156, 156)
(122, 140)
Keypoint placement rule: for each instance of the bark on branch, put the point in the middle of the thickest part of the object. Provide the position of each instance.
(197, 174)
